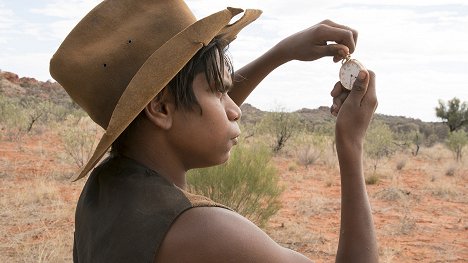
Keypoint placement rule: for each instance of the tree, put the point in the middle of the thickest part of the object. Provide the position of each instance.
(282, 125)
(456, 141)
(36, 110)
(454, 113)
(379, 143)
(417, 139)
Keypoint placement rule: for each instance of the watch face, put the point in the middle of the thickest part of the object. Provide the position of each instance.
(349, 71)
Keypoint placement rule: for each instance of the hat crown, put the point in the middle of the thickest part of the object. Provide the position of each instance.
(106, 48)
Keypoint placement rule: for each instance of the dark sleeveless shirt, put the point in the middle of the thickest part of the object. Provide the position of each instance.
(125, 211)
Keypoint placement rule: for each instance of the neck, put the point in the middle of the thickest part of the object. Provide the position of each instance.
(159, 159)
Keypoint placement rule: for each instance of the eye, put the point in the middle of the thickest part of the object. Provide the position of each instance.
(220, 94)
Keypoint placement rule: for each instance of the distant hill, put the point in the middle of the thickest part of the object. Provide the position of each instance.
(321, 118)
(13, 86)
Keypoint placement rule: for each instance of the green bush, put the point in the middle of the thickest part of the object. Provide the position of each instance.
(372, 179)
(456, 141)
(247, 183)
(431, 140)
(10, 112)
(281, 125)
(79, 137)
(379, 143)
(13, 118)
(22, 115)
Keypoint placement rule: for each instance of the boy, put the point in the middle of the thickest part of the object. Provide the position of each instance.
(161, 85)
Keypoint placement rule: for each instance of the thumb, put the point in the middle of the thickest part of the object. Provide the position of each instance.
(359, 87)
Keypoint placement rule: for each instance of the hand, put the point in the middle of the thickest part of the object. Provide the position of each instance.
(354, 109)
(311, 44)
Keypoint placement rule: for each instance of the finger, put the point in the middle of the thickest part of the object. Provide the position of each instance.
(339, 95)
(359, 87)
(353, 31)
(337, 90)
(338, 35)
(333, 110)
(338, 51)
(338, 101)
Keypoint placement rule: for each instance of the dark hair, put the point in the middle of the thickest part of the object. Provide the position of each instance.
(210, 59)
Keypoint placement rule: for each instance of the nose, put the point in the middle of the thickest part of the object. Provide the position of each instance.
(233, 111)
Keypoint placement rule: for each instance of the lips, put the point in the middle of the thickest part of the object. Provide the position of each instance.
(235, 140)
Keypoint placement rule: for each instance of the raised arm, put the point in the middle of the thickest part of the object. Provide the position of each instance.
(217, 235)
(208, 234)
(357, 237)
(323, 39)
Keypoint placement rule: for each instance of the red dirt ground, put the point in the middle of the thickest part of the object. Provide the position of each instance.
(420, 213)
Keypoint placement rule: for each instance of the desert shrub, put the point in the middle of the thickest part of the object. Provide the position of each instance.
(291, 167)
(281, 125)
(431, 140)
(456, 141)
(417, 139)
(379, 143)
(36, 110)
(21, 115)
(400, 164)
(450, 171)
(13, 119)
(310, 148)
(308, 155)
(391, 194)
(79, 137)
(59, 112)
(247, 183)
(372, 179)
(11, 113)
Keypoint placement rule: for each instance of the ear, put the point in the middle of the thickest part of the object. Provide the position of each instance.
(160, 113)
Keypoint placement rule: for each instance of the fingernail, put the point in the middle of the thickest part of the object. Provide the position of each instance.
(362, 75)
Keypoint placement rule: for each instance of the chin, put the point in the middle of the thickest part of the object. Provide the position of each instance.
(226, 159)
(221, 160)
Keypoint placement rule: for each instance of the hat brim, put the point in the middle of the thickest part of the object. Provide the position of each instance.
(169, 59)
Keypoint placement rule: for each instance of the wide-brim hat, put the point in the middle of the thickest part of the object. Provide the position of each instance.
(124, 52)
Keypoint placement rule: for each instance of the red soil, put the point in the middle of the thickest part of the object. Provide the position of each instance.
(420, 213)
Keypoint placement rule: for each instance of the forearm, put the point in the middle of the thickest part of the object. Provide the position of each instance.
(249, 76)
(306, 45)
(357, 236)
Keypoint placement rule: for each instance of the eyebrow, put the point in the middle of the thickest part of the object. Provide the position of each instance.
(223, 85)
(228, 86)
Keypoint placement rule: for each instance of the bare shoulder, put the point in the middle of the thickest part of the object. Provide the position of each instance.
(212, 234)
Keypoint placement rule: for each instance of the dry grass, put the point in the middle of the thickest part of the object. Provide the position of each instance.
(38, 220)
(420, 213)
(36, 204)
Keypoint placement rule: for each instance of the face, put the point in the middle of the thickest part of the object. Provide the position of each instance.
(205, 139)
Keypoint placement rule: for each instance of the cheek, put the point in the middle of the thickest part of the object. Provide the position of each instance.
(214, 116)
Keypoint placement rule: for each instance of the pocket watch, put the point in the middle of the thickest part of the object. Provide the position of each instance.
(349, 71)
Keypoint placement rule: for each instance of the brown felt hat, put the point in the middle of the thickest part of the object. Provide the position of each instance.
(124, 52)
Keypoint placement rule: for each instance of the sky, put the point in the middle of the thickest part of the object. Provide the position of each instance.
(418, 49)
